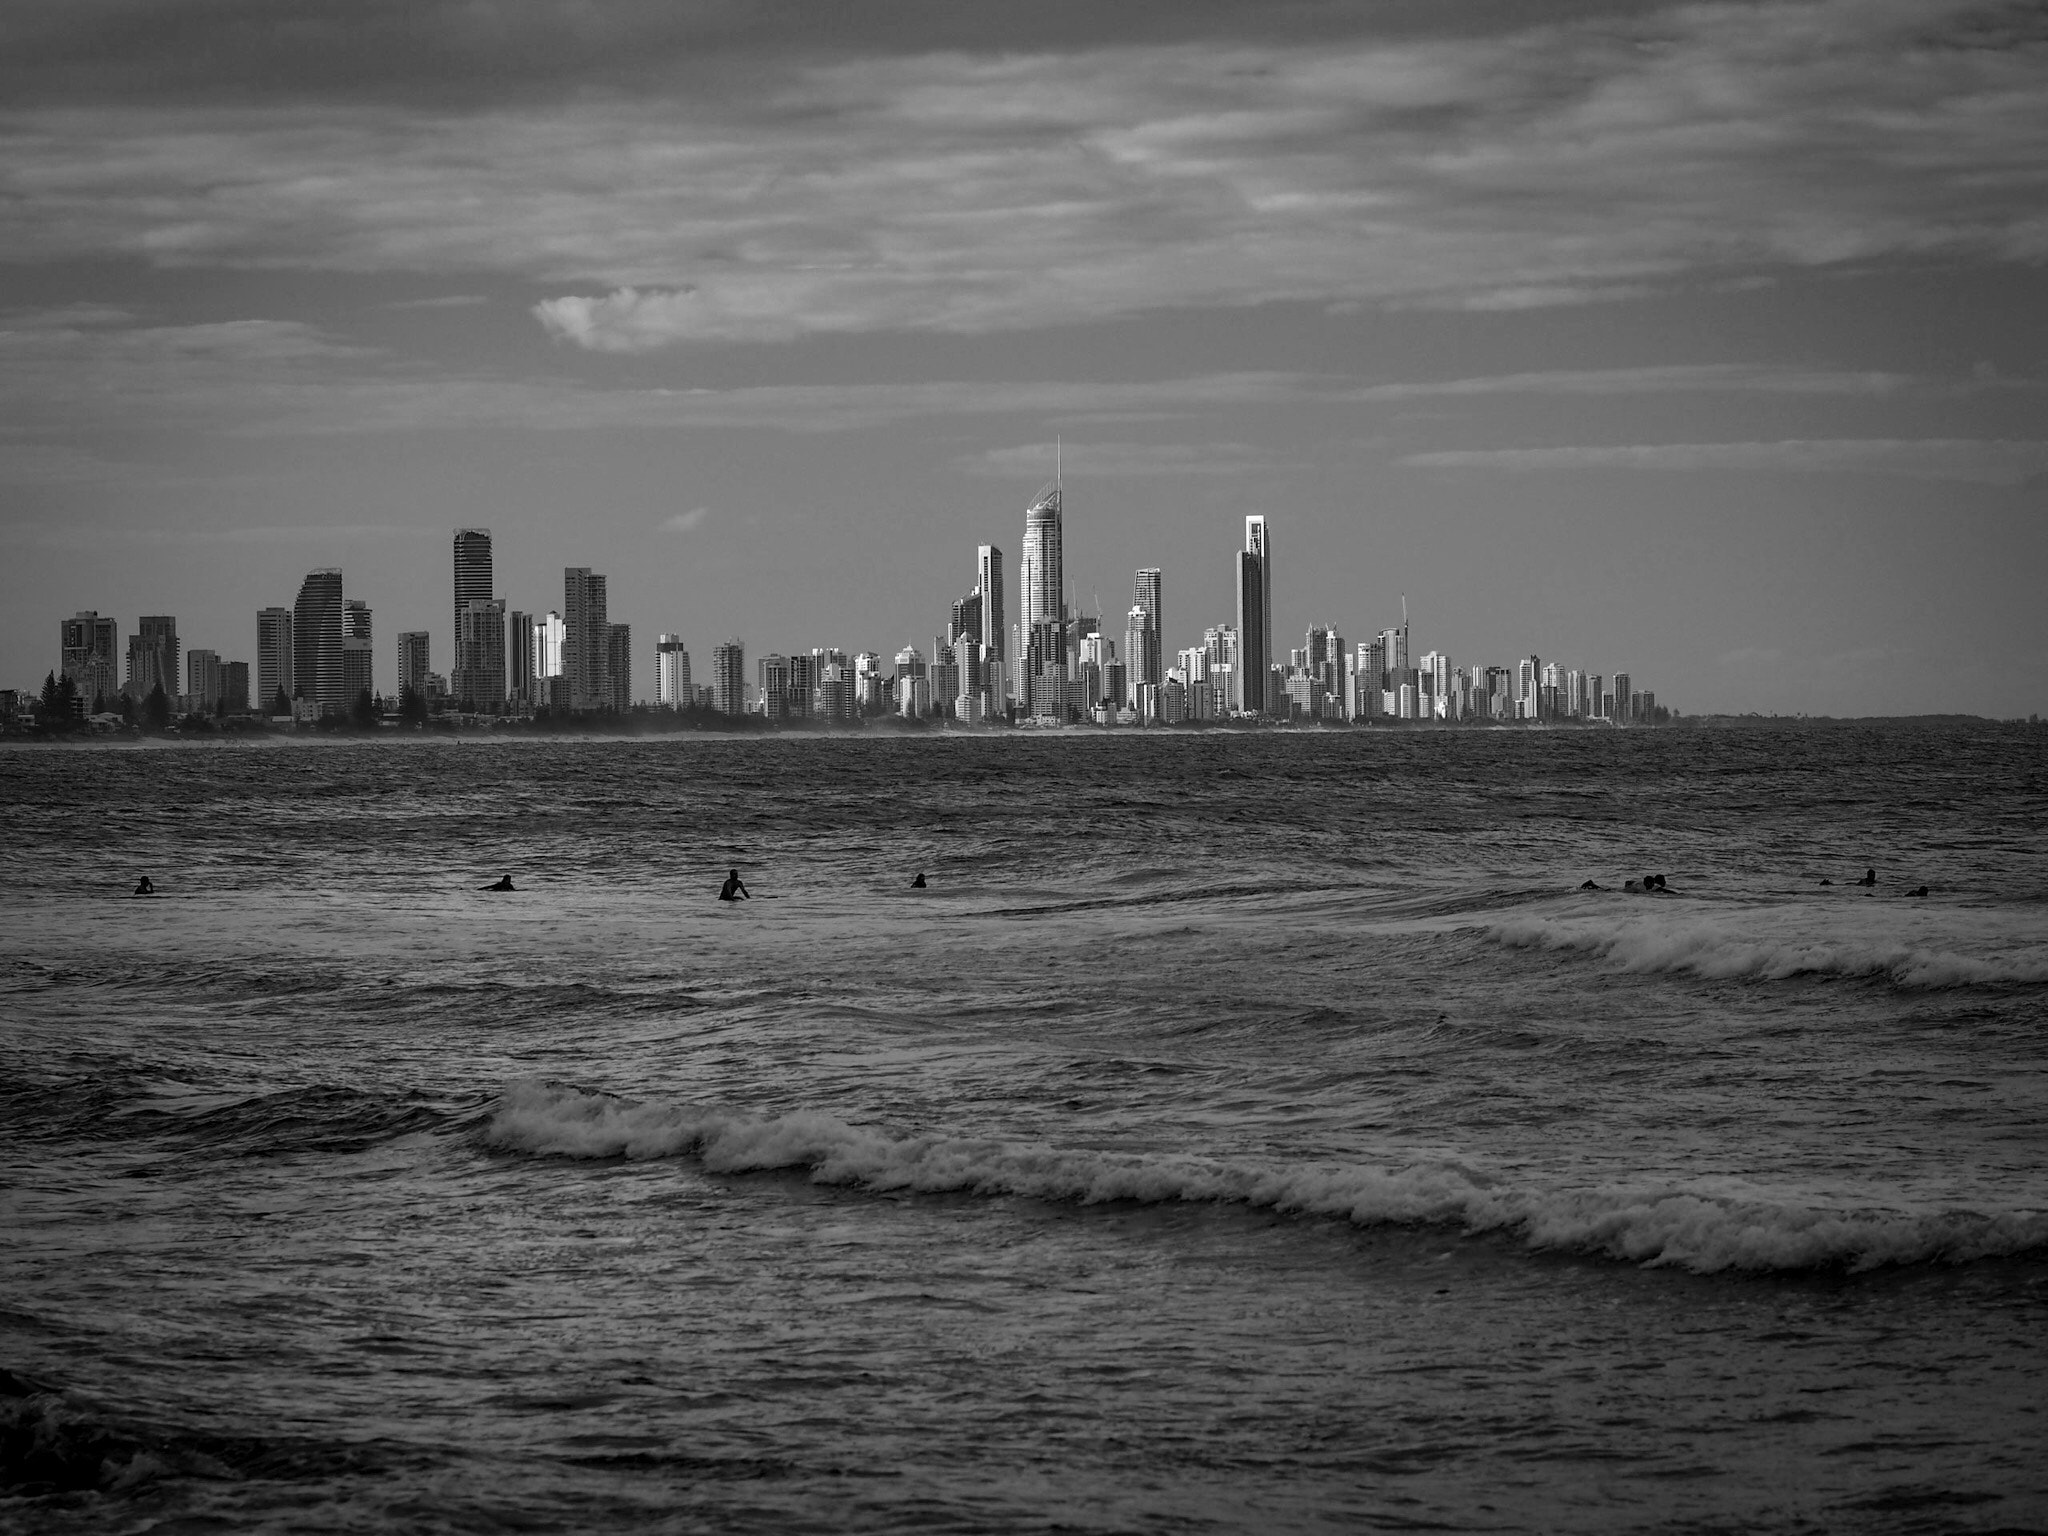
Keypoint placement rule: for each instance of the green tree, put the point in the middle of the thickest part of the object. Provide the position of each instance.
(412, 705)
(363, 713)
(156, 709)
(280, 704)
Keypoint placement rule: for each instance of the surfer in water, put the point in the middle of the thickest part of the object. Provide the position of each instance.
(145, 887)
(1869, 877)
(734, 889)
(918, 883)
(504, 884)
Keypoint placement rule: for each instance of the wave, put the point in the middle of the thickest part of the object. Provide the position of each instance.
(1719, 950)
(1676, 1227)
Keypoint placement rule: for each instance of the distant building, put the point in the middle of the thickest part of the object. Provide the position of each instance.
(519, 649)
(316, 641)
(548, 636)
(153, 656)
(672, 673)
(91, 650)
(234, 687)
(202, 680)
(1041, 582)
(1622, 710)
(478, 682)
(1255, 614)
(772, 685)
(273, 656)
(412, 660)
(358, 674)
(989, 583)
(729, 678)
(586, 638)
(619, 666)
(472, 574)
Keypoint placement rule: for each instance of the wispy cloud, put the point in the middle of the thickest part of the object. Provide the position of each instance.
(1569, 161)
(1118, 460)
(683, 522)
(1965, 459)
(1676, 378)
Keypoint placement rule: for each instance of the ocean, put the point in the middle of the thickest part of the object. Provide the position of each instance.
(1239, 1132)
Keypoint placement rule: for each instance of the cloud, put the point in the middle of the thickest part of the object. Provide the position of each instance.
(443, 301)
(1965, 459)
(902, 186)
(683, 522)
(1675, 378)
(1099, 461)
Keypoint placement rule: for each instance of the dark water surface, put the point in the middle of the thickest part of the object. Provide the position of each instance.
(1242, 1132)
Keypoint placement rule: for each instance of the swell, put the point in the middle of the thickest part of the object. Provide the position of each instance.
(1652, 1226)
(1720, 950)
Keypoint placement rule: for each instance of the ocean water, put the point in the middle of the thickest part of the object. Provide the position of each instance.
(1241, 1132)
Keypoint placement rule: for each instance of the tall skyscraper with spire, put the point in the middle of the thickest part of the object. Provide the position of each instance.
(1255, 616)
(1041, 585)
(1148, 664)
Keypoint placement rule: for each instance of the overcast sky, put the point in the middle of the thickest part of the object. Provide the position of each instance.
(1705, 342)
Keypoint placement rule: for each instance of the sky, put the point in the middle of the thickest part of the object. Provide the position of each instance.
(1704, 342)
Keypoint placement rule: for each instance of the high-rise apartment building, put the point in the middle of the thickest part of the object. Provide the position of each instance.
(91, 651)
(1141, 652)
(586, 638)
(203, 681)
(672, 673)
(316, 641)
(618, 663)
(412, 660)
(479, 679)
(548, 633)
(472, 573)
(519, 648)
(1619, 710)
(729, 678)
(994, 621)
(358, 672)
(1041, 583)
(273, 656)
(153, 656)
(1255, 615)
(234, 686)
(1151, 665)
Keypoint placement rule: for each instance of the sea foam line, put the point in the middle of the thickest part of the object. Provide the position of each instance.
(1709, 947)
(1664, 1226)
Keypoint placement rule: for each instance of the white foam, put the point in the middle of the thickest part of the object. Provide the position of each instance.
(1691, 1229)
(1776, 943)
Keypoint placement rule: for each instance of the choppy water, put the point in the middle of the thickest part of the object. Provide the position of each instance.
(1241, 1132)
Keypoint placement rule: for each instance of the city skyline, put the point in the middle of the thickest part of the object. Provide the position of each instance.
(1706, 331)
(317, 659)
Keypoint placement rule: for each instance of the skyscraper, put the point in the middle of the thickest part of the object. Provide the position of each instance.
(203, 680)
(91, 655)
(672, 673)
(1255, 615)
(273, 655)
(586, 638)
(316, 640)
(357, 670)
(729, 678)
(1041, 579)
(519, 647)
(1150, 664)
(412, 660)
(472, 573)
(1141, 652)
(994, 620)
(548, 634)
(478, 681)
(153, 656)
(618, 666)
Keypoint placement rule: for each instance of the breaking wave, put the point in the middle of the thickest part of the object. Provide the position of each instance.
(1717, 950)
(1668, 1226)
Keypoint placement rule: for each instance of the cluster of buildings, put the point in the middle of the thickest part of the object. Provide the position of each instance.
(1047, 665)
(1055, 666)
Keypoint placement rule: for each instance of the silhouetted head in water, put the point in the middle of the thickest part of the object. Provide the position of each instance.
(504, 884)
(734, 888)
(1589, 886)
(1918, 891)
(1869, 877)
(144, 887)
(918, 883)
(1658, 882)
